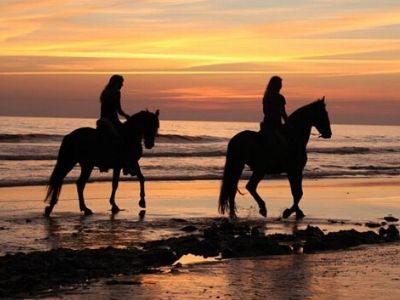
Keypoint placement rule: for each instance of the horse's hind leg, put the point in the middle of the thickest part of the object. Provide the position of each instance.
(49, 208)
(251, 186)
(80, 184)
(53, 201)
(55, 183)
(114, 207)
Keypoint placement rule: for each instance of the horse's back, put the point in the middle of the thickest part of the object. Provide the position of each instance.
(246, 146)
(83, 131)
(253, 149)
(85, 144)
(85, 135)
(246, 138)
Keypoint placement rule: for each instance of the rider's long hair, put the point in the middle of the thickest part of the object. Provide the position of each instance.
(274, 85)
(113, 85)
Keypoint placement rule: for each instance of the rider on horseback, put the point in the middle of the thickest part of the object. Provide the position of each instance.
(274, 104)
(109, 122)
(274, 112)
(110, 100)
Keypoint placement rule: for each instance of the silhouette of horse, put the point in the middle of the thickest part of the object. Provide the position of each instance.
(83, 146)
(248, 148)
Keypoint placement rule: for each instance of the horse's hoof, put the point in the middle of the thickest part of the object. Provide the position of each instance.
(47, 211)
(142, 203)
(263, 211)
(300, 215)
(286, 213)
(115, 209)
(87, 212)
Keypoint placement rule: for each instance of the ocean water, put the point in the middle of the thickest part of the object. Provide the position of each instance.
(193, 150)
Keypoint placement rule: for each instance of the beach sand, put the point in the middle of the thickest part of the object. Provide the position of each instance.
(331, 204)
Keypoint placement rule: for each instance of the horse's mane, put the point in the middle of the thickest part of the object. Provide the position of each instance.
(137, 116)
(306, 109)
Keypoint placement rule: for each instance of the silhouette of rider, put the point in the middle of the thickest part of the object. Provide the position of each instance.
(109, 122)
(274, 111)
(110, 99)
(274, 105)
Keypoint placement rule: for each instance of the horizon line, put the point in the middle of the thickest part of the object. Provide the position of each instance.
(192, 120)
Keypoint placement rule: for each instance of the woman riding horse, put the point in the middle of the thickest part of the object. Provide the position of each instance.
(81, 147)
(274, 105)
(272, 128)
(110, 100)
(110, 125)
(247, 148)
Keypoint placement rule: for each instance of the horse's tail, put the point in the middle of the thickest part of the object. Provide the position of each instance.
(233, 169)
(65, 163)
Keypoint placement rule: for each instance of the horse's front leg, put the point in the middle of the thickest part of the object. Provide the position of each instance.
(114, 207)
(251, 186)
(296, 186)
(80, 184)
(138, 172)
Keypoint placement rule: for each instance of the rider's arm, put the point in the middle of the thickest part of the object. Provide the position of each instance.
(283, 110)
(284, 114)
(122, 113)
(119, 108)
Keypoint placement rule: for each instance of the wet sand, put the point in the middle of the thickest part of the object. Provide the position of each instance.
(331, 204)
(364, 273)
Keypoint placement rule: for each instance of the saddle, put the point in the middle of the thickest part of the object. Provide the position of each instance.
(274, 141)
(112, 150)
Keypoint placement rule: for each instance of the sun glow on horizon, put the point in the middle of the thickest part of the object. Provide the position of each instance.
(330, 42)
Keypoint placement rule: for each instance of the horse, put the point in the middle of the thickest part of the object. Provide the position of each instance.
(83, 146)
(248, 148)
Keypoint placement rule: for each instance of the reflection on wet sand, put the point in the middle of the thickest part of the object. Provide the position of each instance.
(142, 214)
(333, 275)
(262, 277)
(83, 232)
(269, 276)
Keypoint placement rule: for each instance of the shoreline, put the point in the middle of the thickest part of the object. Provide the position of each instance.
(321, 197)
(70, 181)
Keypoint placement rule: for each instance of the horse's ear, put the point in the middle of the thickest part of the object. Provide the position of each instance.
(323, 99)
(157, 113)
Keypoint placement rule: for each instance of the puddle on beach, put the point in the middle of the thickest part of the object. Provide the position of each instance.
(190, 259)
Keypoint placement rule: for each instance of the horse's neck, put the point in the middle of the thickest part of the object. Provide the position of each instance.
(301, 121)
(132, 133)
(301, 132)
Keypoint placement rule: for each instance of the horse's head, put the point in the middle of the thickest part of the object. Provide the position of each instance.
(151, 126)
(144, 125)
(321, 119)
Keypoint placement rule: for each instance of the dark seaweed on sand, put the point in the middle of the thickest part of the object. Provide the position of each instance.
(37, 272)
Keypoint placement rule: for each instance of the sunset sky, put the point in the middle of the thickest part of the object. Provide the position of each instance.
(201, 60)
